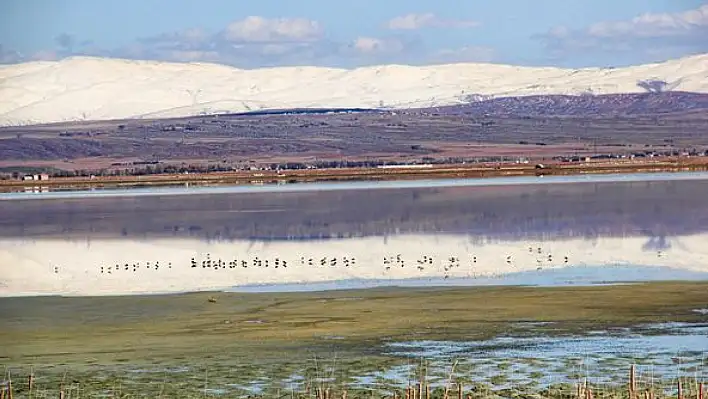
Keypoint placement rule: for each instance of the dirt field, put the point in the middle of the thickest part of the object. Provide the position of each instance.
(534, 128)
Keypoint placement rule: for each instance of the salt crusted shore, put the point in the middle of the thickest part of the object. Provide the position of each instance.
(120, 267)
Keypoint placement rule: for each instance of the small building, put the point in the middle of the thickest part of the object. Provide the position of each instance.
(41, 176)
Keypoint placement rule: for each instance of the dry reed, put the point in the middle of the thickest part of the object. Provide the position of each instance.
(680, 389)
(449, 380)
(632, 382)
(418, 390)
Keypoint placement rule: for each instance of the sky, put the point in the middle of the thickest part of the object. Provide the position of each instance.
(268, 33)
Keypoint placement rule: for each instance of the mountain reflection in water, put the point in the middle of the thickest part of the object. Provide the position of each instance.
(657, 210)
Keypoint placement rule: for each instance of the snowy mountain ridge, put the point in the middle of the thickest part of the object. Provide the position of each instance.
(90, 88)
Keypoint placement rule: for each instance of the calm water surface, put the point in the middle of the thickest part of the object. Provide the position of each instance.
(657, 206)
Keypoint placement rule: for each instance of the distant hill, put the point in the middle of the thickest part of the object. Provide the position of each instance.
(532, 123)
(87, 88)
(634, 104)
(584, 105)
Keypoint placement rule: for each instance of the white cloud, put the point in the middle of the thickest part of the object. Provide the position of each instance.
(250, 42)
(255, 42)
(372, 45)
(647, 37)
(264, 30)
(655, 25)
(194, 35)
(276, 49)
(427, 20)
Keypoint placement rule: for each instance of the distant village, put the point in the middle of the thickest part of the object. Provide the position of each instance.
(634, 155)
(142, 168)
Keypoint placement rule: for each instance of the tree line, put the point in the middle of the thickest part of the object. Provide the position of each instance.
(158, 167)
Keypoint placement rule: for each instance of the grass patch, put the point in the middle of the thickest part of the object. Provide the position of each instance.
(153, 329)
(180, 346)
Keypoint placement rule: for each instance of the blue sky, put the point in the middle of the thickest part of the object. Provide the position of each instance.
(347, 34)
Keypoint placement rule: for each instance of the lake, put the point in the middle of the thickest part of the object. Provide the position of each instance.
(521, 283)
(578, 230)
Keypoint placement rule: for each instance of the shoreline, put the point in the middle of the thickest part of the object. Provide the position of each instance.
(362, 174)
(44, 193)
(304, 288)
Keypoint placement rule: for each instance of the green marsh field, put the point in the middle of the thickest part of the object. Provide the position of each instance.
(494, 341)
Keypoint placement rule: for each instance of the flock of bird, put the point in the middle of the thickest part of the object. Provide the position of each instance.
(389, 263)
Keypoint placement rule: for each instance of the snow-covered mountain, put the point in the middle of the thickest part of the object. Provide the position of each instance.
(86, 88)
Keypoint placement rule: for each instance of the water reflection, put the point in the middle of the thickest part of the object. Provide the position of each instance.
(603, 357)
(465, 235)
(656, 210)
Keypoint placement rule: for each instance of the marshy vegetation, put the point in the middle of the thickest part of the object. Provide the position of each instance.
(510, 342)
(322, 380)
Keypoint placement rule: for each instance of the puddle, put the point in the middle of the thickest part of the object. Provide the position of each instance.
(660, 351)
(253, 387)
(603, 356)
(398, 376)
(547, 348)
